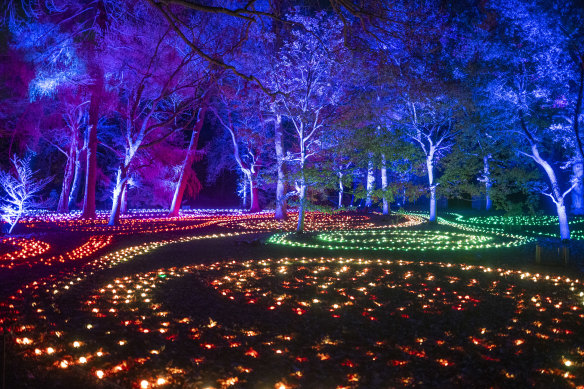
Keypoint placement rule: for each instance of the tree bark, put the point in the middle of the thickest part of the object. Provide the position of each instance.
(124, 200)
(77, 179)
(563, 219)
(430, 168)
(301, 207)
(488, 182)
(255, 201)
(341, 191)
(384, 184)
(63, 205)
(370, 182)
(91, 166)
(556, 195)
(302, 194)
(281, 204)
(117, 195)
(189, 158)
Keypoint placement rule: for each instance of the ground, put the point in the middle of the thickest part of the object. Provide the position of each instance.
(232, 300)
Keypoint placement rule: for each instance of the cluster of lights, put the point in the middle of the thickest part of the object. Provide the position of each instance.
(530, 226)
(26, 248)
(136, 221)
(396, 240)
(31, 250)
(314, 221)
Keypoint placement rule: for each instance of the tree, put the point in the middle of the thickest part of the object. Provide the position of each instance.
(190, 156)
(534, 70)
(68, 139)
(22, 190)
(306, 76)
(156, 99)
(241, 117)
(433, 131)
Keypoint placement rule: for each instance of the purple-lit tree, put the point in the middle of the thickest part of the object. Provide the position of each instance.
(240, 115)
(191, 154)
(156, 99)
(68, 40)
(68, 139)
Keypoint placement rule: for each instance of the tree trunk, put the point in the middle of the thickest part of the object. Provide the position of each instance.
(488, 182)
(341, 190)
(563, 219)
(578, 191)
(556, 195)
(302, 194)
(77, 179)
(370, 181)
(384, 185)
(433, 203)
(124, 201)
(255, 201)
(15, 222)
(117, 196)
(244, 197)
(189, 158)
(301, 210)
(430, 168)
(281, 206)
(91, 167)
(63, 205)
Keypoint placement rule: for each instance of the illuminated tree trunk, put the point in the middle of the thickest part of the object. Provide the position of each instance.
(254, 194)
(556, 195)
(91, 166)
(430, 169)
(124, 201)
(563, 219)
(121, 180)
(384, 184)
(189, 158)
(578, 191)
(281, 206)
(244, 197)
(370, 181)
(77, 179)
(302, 191)
(486, 178)
(341, 190)
(301, 207)
(63, 205)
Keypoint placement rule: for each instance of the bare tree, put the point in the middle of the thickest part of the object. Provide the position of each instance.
(435, 136)
(22, 191)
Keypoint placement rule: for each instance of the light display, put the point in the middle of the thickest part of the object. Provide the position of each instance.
(360, 321)
(316, 221)
(31, 249)
(398, 240)
(532, 226)
(290, 323)
(27, 247)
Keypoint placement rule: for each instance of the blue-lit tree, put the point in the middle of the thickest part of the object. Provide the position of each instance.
(534, 70)
(306, 76)
(22, 190)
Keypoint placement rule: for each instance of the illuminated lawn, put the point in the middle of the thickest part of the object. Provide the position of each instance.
(208, 310)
